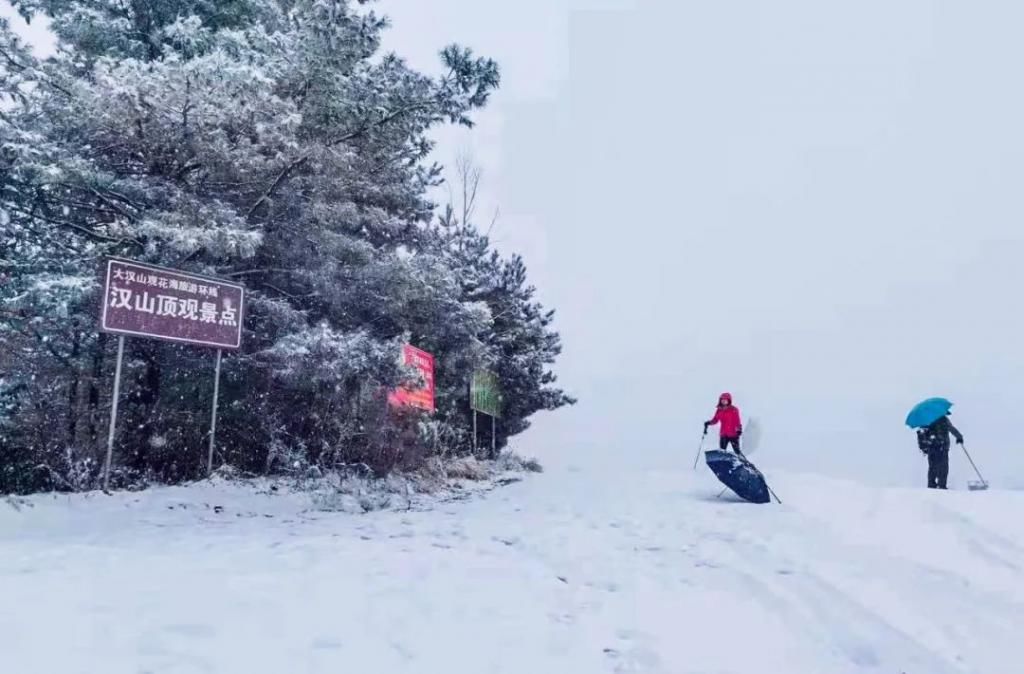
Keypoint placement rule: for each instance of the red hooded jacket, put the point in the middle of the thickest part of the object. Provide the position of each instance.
(729, 418)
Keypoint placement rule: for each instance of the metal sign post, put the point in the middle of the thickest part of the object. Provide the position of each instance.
(113, 413)
(213, 417)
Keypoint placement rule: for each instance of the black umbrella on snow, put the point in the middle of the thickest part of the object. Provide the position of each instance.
(737, 473)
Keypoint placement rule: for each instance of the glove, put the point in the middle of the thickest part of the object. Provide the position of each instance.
(739, 433)
(706, 428)
(960, 441)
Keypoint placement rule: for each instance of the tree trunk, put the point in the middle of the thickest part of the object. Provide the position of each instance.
(73, 385)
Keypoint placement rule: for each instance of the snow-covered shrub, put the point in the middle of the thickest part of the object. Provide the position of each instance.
(467, 468)
(355, 494)
(513, 463)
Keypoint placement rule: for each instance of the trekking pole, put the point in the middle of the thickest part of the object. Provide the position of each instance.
(700, 449)
(983, 480)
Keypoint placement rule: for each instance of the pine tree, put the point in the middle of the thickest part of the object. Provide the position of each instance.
(266, 141)
(519, 344)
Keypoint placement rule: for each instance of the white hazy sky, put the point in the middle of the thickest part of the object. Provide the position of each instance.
(814, 205)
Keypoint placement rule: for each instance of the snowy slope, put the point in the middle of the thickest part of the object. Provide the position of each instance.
(589, 569)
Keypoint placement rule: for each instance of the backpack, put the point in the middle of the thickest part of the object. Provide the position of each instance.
(927, 441)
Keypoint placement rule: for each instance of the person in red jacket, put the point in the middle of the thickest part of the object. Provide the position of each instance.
(731, 428)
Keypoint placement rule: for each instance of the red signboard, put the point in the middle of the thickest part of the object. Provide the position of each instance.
(422, 398)
(142, 300)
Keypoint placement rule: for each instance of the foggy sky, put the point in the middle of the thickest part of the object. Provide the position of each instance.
(814, 206)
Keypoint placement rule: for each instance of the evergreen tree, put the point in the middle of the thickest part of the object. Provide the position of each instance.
(519, 344)
(267, 141)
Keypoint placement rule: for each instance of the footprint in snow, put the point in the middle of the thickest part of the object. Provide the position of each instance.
(404, 534)
(607, 586)
(632, 655)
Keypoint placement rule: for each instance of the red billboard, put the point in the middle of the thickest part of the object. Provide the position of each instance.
(422, 398)
(142, 300)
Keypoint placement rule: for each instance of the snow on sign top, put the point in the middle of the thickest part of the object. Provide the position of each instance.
(142, 300)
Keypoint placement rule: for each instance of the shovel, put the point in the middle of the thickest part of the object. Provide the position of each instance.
(975, 485)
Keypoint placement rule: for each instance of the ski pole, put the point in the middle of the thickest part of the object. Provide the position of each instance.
(972, 464)
(699, 450)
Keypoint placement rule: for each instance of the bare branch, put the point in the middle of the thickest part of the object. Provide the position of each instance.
(12, 62)
(20, 67)
(265, 270)
(494, 220)
(78, 228)
(469, 175)
(386, 119)
(281, 177)
(112, 204)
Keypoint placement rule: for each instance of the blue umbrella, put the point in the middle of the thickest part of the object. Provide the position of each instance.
(927, 412)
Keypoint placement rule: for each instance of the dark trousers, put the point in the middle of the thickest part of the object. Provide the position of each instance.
(724, 442)
(938, 469)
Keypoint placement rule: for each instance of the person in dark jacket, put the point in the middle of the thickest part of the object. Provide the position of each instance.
(934, 442)
(731, 428)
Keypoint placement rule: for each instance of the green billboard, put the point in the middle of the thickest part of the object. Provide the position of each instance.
(485, 393)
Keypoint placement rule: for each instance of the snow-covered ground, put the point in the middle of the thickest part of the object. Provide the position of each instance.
(598, 567)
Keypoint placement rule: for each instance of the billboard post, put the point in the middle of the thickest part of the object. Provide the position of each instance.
(213, 415)
(113, 413)
(145, 300)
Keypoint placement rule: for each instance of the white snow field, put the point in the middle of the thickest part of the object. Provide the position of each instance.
(598, 567)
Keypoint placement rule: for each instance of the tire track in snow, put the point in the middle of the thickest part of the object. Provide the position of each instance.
(868, 607)
(925, 618)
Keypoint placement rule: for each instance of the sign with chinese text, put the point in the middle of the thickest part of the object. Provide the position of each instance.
(422, 398)
(142, 300)
(485, 393)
